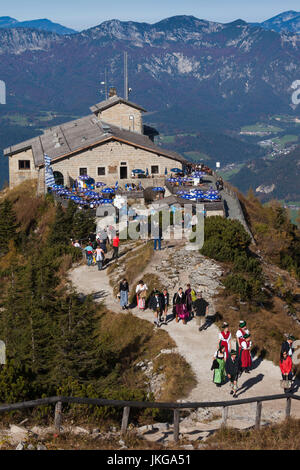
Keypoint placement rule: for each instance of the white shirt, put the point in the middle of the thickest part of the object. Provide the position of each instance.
(244, 345)
(239, 334)
(221, 337)
(140, 288)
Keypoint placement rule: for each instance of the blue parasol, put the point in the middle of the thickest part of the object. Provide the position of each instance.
(108, 191)
(172, 180)
(138, 171)
(100, 184)
(176, 170)
(158, 189)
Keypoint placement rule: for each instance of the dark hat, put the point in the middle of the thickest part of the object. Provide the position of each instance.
(225, 324)
(291, 337)
(246, 335)
(233, 352)
(242, 323)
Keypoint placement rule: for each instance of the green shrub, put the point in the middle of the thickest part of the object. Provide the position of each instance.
(224, 238)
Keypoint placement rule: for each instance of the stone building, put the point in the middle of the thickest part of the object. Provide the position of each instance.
(106, 145)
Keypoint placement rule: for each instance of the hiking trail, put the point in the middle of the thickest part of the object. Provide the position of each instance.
(176, 266)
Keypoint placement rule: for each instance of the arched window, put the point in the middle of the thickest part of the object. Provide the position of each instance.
(59, 177)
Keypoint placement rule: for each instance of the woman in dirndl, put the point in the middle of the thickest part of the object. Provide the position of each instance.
(141, 294)
(179, 304)
(245, 355)
(219, 373)
(225, 339)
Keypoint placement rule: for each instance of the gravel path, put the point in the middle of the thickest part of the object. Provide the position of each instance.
(196, 347)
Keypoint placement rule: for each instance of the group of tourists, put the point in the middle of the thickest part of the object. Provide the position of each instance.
(186, 304)
(96, 250)
(231, 363)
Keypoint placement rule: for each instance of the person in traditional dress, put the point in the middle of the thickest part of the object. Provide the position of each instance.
(233, 368)
(156, 304)
(141, 294)
(219, 373)
(188, 296)
(240, 334)
(166, 303)
(245, 354)
(179, 304)
(225, 339)
(287, 346)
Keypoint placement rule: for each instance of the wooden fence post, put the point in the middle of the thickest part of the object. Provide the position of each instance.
(125, 419)
(176, 425)
(58, 416)
(224, 415)
(258, 414)
(288, 407)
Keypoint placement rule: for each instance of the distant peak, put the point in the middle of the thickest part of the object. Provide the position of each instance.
(238, 22)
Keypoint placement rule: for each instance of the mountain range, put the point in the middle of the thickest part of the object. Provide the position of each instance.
(288, 21)
(42, 25)
(194, 76)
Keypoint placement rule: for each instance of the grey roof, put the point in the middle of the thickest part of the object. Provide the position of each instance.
(111, 102)
(171, 200)
(75, 136)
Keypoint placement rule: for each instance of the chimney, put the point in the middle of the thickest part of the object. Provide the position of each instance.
(112, 92)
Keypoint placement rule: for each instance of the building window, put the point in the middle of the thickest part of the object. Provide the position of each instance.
(24, 164)
(123, 163)
(101, 171)
(154, 169)
(82, 171)
(58, 177)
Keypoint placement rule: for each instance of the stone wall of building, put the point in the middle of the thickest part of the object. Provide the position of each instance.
(16, 175)
(111, 157)
(124, 117)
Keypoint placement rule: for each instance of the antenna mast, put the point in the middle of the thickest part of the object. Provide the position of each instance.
(126, 89)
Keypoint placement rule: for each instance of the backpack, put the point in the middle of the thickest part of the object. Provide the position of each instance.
(193, 295)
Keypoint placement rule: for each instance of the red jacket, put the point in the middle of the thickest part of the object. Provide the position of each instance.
(116, 241)
(286, 365)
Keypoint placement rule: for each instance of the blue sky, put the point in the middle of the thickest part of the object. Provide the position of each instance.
(80, 14)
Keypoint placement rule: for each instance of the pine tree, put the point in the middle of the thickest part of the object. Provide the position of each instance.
(58, 234)
(83, 224)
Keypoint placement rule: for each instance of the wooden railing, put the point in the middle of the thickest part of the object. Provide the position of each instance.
(176, 407)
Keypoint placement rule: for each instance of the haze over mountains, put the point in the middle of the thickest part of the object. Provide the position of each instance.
(194, 76)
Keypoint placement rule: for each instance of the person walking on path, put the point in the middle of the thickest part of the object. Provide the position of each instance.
(233, 368)
(156, 304)
(225, 339)
(219, 372)
(89, 254)
(123, 292)
(240, 334)
(99, 258)
(141, 294)
(179, 305)
(201, 308)
(286, 367)
(189, 301)
(116, 244)
(166, 303)
(245, 355)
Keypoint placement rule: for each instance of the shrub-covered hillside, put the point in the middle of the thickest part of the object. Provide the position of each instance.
(58, 342)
